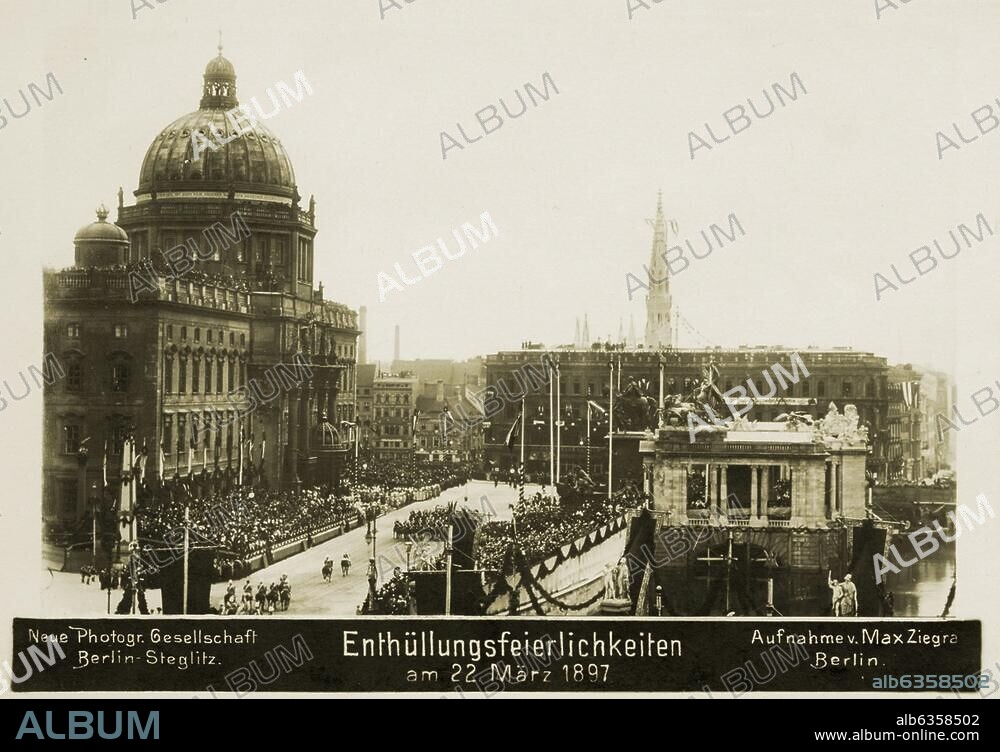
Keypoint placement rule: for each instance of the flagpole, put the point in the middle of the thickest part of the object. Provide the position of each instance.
(558, 422)
(611, 418)
(588, 437)
(552, 437)
(520, 493)
(659, 412)
(187, 550)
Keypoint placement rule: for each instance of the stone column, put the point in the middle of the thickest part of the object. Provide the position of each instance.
(709, 485)
(834, 488)
(723, 491)
(754, 490)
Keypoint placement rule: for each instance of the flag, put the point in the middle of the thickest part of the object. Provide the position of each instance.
(128, 468)
(239, 476)
(413, 426)
(263, 442)
(104, 465)
(163, 462)
(597, 407)
(141, 463)
(513, 433)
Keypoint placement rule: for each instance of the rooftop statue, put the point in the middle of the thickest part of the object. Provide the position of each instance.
(845, 428)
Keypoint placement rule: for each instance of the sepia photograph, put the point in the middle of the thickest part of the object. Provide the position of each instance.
(697, 403)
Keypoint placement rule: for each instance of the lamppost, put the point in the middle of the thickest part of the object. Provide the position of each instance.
(409, 549)
(371, 515)
(95, 502)
(659, 600)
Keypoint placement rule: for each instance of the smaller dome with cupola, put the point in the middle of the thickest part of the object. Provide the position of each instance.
(101, 243)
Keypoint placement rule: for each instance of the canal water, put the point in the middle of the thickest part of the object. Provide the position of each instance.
(922, 589)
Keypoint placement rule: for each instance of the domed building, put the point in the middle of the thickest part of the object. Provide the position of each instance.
(192, 322)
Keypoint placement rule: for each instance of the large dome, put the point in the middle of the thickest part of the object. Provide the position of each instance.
(254, 162)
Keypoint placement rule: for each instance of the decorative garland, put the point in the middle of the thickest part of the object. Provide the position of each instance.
(529, 581)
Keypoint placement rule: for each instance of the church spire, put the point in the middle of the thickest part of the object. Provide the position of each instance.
(658, 304)
(586, 331)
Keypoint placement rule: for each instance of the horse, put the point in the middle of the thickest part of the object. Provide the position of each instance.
(327, 570)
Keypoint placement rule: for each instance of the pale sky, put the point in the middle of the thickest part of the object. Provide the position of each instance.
(829, 190)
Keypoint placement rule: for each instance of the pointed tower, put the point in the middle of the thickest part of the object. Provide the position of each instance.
(621, 330)
(576, 336)
(586, 332)
(658, 305)
(631, 332)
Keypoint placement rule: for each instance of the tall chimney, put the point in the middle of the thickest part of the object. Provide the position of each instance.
(395, 348)
(363, 342)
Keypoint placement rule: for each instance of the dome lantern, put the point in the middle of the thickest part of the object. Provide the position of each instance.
(219, 90)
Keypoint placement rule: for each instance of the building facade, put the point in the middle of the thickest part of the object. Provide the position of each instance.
(193, 323)
(840, 376)
(386, 416)
(449, 424)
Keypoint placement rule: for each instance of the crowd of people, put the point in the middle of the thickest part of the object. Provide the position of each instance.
(109, 578)
(245, 522)
(392, 477)
(542, 523)
(428, 524)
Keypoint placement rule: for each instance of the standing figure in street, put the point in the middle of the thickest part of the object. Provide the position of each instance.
(837, 593)
(372, 577)
(849, 597)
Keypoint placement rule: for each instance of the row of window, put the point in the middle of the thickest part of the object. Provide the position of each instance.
(207, 375)
(198, 431)
(118, 331)
(674, 385)
(268, 250)
(390, 399)
(209, 335)
(118, 376)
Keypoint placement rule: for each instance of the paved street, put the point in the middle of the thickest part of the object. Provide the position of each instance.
(64, 595)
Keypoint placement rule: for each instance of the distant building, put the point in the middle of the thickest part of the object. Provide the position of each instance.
(916, 448)
(842, 376)
(469, 372)
(385, 415)
(448, 424)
